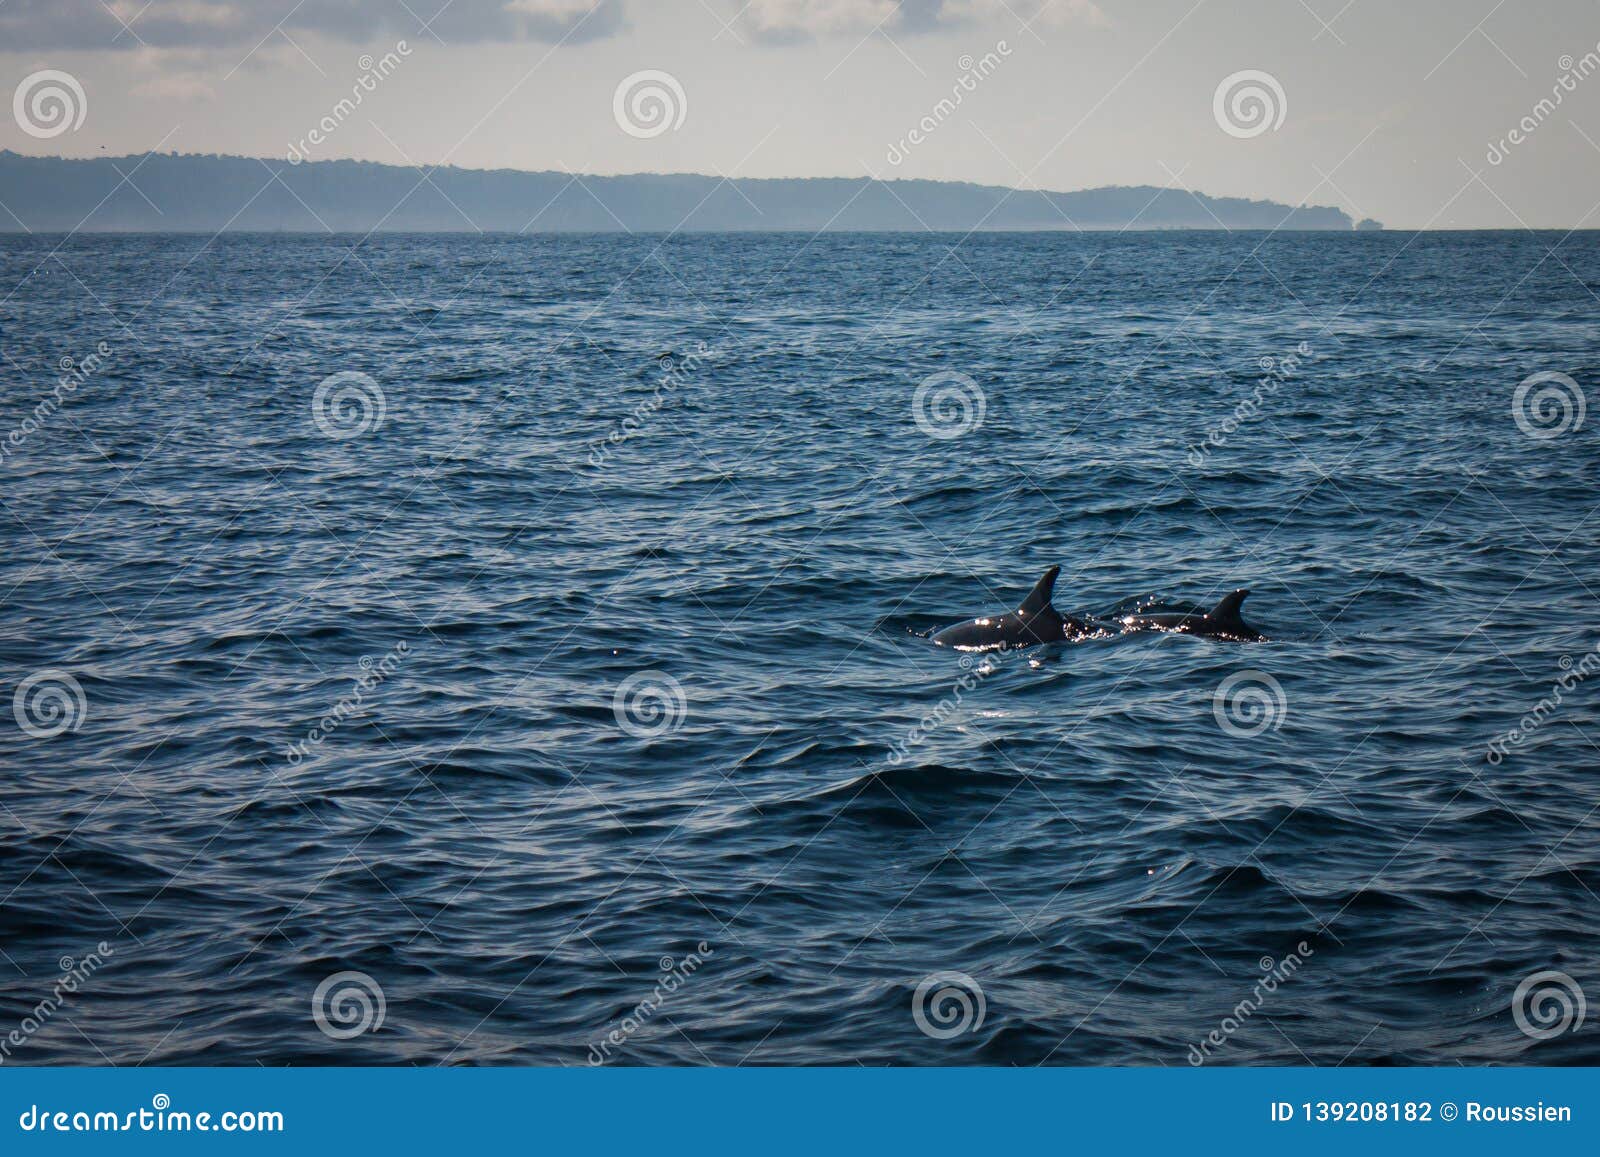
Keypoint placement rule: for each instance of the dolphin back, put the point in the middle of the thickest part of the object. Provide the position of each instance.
(1039, 597)
(1227, 616)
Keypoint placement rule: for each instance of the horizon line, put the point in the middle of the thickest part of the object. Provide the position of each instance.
(871, 177)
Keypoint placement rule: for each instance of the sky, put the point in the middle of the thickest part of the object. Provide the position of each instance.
(1420, 113)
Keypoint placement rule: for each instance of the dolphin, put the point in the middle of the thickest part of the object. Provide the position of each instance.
(1035, 621)
(1222, 621)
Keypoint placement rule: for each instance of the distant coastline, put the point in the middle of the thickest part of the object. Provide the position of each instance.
(195, 193)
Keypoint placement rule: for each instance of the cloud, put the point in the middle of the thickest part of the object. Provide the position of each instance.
(797, 19)
(133, 24)
(791, 20)
(31, 25)
(179, 88)
(1054, 13)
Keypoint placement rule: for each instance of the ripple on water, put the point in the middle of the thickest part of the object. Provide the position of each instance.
(820, 807)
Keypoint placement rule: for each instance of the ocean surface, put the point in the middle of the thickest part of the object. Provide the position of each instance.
(511, 650)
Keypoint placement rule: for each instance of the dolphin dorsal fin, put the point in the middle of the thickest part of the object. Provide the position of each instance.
(1226, 615)
(1039, 597)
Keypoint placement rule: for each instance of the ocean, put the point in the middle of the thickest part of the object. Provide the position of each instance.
(498, 650)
